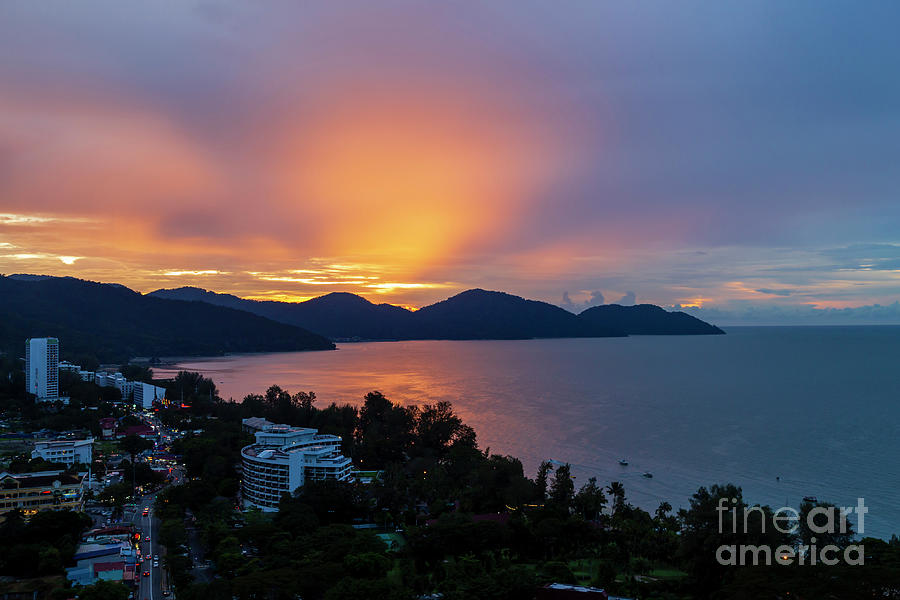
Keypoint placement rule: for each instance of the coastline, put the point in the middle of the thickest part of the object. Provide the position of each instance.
(539, 400)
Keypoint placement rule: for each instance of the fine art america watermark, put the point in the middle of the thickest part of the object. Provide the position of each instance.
(825, 521)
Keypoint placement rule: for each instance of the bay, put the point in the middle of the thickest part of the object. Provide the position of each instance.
(784, 412)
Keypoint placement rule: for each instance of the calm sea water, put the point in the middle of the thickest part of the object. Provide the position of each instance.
(785, 412)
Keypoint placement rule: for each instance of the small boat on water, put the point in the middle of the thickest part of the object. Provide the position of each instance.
(623, 462)
(812, 499)
(648, 474)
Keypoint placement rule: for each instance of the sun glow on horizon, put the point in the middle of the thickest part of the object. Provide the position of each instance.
(409, 151)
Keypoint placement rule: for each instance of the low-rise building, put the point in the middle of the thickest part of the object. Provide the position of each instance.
(109, 571)
(111, 561)
(64, 451)
(144, 431)
(108, 428)
(283, 459)
(254, 424)
(34, 492)
(116, 380)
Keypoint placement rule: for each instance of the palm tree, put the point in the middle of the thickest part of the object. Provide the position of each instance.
(617, 491)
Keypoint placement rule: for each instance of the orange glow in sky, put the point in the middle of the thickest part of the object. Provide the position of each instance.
(409, 151)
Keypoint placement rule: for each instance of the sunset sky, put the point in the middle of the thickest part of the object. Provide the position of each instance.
(740, 157)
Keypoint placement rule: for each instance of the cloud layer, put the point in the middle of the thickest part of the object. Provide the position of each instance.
(681, 153)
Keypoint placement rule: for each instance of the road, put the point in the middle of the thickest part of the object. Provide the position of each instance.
(151, 586)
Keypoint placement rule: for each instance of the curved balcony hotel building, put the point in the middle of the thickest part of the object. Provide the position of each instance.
(283, 459)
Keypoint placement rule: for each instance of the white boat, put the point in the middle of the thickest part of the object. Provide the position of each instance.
(648, 474)
(623, 462)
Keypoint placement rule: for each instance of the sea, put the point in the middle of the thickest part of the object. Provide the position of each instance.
(783, 412)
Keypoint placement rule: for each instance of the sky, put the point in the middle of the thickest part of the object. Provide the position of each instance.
(741, 160)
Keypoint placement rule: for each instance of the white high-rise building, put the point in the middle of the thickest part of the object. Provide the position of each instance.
(283, 459)
(42, 368)
(146, 394)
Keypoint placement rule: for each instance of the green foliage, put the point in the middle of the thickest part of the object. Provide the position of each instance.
(467, 578)
(368, 565)
(43, 545)
(839, 530)
(104, 590)
(212, 456)
(438, 429)
(542, 480)
(703, 533)
(22, 464)
(172, 533)
(562, 490)
(115, 495)
(353, 588)
(179, 566)
(333, 501)
(590, 500)
(496, 483)
(137, 373)
(143, 473)
(194, 390)
(556, 572)
(134, 445)
(295, 518)
(384, 433)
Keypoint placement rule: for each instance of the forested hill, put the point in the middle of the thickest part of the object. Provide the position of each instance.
(113, 323)
(473, 314)
(647, 319)
(470, 315)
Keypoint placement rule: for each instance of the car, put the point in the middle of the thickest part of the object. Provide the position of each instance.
(155, 563)
(147, 539)
(146, 573)
(156, 557)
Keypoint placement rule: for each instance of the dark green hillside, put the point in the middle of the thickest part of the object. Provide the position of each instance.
(480, 314)
(646, 319)
(115, 323)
